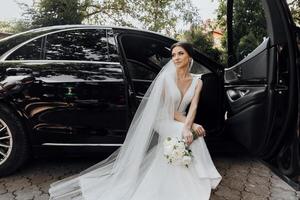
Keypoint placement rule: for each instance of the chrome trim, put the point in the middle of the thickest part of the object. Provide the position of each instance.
(60, 27)
(245, 86)
(81, 145)
(58, 61)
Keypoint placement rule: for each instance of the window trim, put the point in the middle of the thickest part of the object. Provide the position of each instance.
(8, 53)
(60, 61)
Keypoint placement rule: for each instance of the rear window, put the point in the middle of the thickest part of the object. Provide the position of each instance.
(12, 41)
(87, 44)
(9, 42)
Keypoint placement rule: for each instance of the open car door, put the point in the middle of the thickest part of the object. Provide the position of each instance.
(262, 85)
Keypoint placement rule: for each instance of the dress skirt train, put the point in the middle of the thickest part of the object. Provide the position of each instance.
(159, 180)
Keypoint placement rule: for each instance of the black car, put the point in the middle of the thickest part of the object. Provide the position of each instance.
(76, 88)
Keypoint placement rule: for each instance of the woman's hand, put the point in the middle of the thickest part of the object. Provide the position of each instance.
(199, 130)
(187, 136)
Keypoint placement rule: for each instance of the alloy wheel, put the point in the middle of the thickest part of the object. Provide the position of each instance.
(6, 142)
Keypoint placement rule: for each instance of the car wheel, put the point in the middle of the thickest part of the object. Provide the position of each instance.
(287, 159)
(13, 142)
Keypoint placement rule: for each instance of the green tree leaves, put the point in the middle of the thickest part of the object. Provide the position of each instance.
(154, 15)
(295, 10)
(249, 25)
(56, 12)
(203, 41)
(14, 26)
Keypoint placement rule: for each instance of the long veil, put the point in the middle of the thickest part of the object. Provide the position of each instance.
(117, 176)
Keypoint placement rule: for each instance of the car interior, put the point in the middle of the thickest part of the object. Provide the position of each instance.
(144, 58)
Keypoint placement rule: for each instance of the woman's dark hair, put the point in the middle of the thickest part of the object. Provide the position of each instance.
(186, 46)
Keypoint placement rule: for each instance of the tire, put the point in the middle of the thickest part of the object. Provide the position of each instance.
(288, 159)
(13, 142)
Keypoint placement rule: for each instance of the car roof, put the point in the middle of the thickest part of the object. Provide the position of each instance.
(13, 40)
(83, 26)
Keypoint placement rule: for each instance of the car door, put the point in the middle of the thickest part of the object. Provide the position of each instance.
(79, 95)
(262, 87)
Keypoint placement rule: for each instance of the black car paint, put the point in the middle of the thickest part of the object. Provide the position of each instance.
(68, 101)
(63, 98)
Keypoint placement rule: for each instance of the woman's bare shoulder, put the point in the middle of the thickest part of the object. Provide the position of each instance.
(199, 83)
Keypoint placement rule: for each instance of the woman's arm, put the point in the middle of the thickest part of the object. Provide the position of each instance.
(181, 118)
(188, 123)
(193, 107)
(178, 116)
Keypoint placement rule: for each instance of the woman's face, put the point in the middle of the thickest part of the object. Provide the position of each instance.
(180, 57)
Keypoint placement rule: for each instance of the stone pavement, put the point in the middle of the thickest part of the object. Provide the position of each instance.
(244, 178)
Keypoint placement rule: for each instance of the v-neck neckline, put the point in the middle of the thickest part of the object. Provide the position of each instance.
(182, 96)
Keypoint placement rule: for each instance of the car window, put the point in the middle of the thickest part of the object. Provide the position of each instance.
(90, 44)
(139, 71)
(198, 68)
(148, 51)
(29, 51)
(249, 27)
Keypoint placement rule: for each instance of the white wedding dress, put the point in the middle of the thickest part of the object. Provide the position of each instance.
(163, 181)
(153, 178)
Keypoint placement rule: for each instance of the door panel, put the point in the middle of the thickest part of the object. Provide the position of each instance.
(262, 91)
(250, 135)
(246, 91)
(241, 97)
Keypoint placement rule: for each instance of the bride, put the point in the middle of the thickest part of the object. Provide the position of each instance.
(140, 170)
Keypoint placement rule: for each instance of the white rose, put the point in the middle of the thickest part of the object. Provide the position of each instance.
(177, 153)
(186, 160)
(170, 141)
(181, 147)
(168, 149)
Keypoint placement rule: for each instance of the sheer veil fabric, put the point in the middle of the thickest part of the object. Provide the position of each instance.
(119, 176)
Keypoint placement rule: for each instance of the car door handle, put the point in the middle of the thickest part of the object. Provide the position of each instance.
(243, 92)
(48, 95)
(235, 94)
(18, 70)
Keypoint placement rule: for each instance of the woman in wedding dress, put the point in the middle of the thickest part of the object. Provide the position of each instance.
(139, 169)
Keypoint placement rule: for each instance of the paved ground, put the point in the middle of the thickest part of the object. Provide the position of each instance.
(243, 178)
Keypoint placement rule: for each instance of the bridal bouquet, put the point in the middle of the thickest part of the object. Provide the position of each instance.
(176, 152)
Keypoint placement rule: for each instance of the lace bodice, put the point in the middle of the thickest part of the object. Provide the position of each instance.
(181, 104)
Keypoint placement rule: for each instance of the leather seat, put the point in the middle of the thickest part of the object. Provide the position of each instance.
(210, 108)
